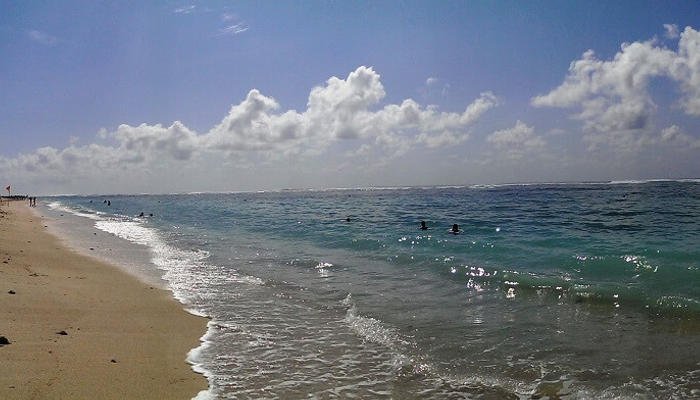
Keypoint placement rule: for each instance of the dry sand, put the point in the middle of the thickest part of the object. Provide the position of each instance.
(124, 339)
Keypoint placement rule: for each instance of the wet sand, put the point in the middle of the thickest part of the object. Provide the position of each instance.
(82, 329)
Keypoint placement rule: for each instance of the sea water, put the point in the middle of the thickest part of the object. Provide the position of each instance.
(567, 291)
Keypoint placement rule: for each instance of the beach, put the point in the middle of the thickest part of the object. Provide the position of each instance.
(80, 328)
(577, 291)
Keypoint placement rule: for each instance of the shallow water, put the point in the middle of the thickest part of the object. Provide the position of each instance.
(550, 291)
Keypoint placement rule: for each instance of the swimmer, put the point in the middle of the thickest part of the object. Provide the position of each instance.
(455, 229)
(423, 227)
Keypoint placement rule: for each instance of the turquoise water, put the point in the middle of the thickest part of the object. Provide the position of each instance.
(549, 291)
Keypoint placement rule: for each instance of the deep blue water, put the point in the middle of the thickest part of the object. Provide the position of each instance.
(560, 291)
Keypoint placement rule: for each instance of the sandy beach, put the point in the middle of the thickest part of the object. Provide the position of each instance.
(82, 329)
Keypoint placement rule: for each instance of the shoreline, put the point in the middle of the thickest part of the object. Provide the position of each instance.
(81, 328)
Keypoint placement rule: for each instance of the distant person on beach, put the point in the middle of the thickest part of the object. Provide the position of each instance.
(455, 229)
(423, 226)
(109, 203)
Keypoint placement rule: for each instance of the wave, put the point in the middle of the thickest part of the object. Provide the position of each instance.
(60, 207)
(371, 329)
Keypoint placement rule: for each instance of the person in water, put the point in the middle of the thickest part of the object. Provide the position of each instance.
(455, 229)
(423, 226)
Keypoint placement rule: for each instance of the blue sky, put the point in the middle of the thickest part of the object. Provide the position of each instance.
(233, 95)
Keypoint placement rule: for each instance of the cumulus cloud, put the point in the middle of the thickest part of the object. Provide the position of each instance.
(343, 109)
(143, 141)
(613, 96)
(339, 111)
(517, 141)
(248, 126)
(686, 70)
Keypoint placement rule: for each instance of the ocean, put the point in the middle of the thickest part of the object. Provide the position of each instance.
(571, 291)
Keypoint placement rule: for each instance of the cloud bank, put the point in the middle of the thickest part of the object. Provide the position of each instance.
(348, 133)
(341, 111)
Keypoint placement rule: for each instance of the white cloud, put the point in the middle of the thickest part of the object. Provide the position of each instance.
(343, 111)
(189, 9)
(42, 37)
(133, 147)
(613, 96)
(228, 17)
(234, 29)
(671, 31)
(248, 126)
(435, 87)
(671, 133)
(686, 70)
(517, 141)
(144, 141)
(674, 135)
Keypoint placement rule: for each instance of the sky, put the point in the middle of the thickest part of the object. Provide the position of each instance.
(182, 96)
